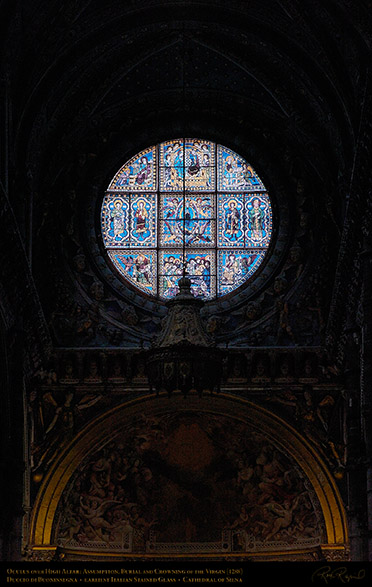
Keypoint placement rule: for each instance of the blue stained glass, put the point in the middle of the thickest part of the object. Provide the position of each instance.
(200, 270)
(171, 153)
(199, 228)
(200, 233)
(169, 286)
(171, 156)
(199, 206)
(139, 267)
(172, 179)
(199, 165)
(235, 267)
(170, 271)
(191, 232)
(199, 154)
(231, 220)
(138, 174)
(115, 221)
(143, 221)
(235, 174)
(259, 220)
(210, 218)
(171, 233)
(171, 207)
(202, 181)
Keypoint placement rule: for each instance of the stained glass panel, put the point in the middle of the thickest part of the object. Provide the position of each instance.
(200, 270)
(189, 232)
(199, 154)
(115, 221)
(200, 233)
(199, 165)
(235, 267)
(139, 267)
(171, 206)
(171, 179)
(138, 174)
(199, 206)
(171, 155)
(259, 220)
(143, 220)
(231, 220)
(171, 233)
(210, 219)
(200, 179)
(199, 223)
(235, 174)
(170, 271)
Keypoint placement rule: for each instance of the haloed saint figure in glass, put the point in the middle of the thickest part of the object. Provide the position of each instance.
(141, 216)
(186, 206)
(117, 216)
(232, 220)
(256, 216)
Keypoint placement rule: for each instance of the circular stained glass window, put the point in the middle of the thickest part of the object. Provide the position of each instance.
(186, 207)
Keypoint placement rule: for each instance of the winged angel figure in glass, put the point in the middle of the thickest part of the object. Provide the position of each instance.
(186, 207)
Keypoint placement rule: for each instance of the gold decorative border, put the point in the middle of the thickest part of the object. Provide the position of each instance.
(97, 433)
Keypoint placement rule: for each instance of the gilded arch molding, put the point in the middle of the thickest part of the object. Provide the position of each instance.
(42, 537)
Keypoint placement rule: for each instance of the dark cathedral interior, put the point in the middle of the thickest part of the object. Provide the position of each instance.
(234, 426)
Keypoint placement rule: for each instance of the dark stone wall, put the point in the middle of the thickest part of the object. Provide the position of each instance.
(84, 86)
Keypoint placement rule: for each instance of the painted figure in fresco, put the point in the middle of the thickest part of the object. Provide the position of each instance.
(256, 217)
(117, 217)
(271, 477)
(144, 173)
(284, 326)
(232, 220)
(141, 217)
(120, 526)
